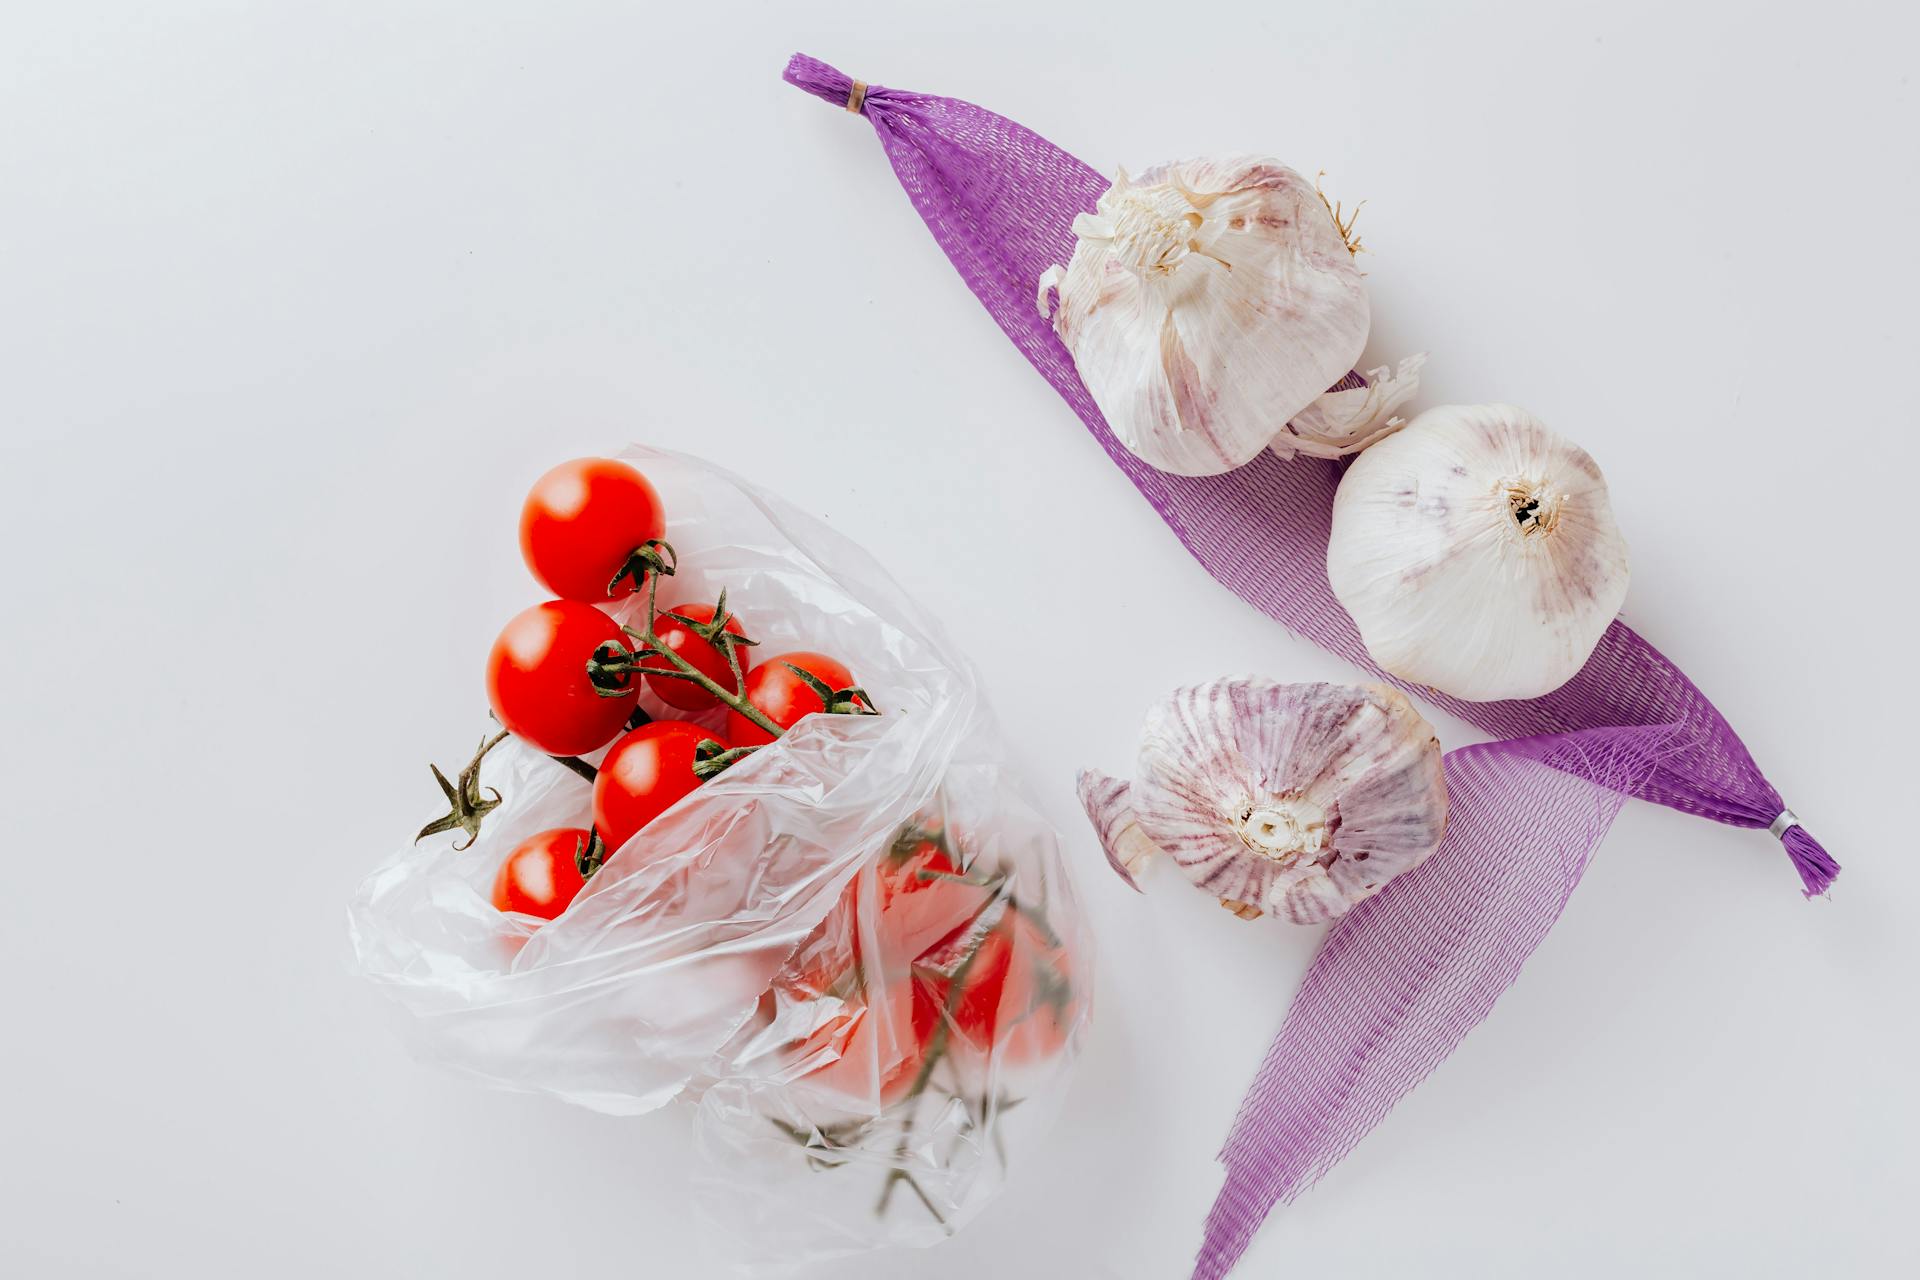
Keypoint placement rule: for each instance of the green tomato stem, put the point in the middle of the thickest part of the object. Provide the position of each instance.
(578, 766)
(936, 1050)
(688, 671)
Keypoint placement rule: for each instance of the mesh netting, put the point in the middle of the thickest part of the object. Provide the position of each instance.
(1401, 979)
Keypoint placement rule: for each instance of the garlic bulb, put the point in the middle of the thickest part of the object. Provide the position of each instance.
(1348, 420)
(1206, 304)
(1477, 553)
(1298, 800)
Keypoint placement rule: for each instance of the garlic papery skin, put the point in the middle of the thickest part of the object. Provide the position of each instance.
(1207, 303)
(1109, 807)
(1348, 420)
(1295, 800)
(1477, 553)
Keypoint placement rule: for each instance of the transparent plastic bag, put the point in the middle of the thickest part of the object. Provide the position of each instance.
(855, 952)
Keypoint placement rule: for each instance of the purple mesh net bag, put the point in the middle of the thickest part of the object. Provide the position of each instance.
(1403, 977)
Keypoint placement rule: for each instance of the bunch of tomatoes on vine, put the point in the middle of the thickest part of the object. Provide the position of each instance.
(564, 678)
(957, 957)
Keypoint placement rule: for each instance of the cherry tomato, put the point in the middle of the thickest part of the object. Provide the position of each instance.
(980, 980)
(867, 1052)
(918, 903)
(537, 679)
(539, 878)
(923, 898)
(1016, 1000)
(783, 696)
(827, 962)
(582, 521)
(643, 775)
(705, 656)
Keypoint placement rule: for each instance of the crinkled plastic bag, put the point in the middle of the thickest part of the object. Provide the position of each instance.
(855, 952)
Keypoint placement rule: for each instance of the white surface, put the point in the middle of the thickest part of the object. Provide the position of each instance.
(298, 299)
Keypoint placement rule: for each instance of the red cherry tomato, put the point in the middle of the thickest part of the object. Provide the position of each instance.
(537, 678)
(826, 963)
(643, 775)
(1016, 1000)
(919, 903)
(783, 696)
(705, 656)
(922, 901)
(540, 877)
(582, 521)
(868, 1052)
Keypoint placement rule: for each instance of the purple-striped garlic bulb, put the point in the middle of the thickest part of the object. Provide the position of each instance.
(1296, 800)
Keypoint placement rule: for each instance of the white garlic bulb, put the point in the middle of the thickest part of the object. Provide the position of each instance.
(1206, 304)
(1349, 419)
(1477, 553)
(1297, 800)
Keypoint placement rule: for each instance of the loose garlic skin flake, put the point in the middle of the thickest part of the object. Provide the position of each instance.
(1476, 551)
(1294, 800)
(1347, 421)
(1106, 800)
(1206, 304)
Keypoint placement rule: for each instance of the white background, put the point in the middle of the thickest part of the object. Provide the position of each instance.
(295, 300)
